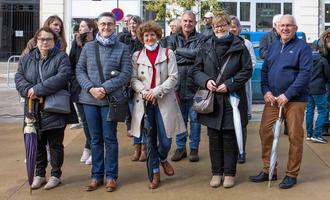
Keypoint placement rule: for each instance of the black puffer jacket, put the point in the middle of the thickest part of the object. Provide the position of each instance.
(133, 45)
(56, 73)
(209, 62)
(185, 52)
(320, 75)
(74, 58)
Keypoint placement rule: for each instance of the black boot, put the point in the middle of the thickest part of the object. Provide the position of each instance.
(179, 154)
(193, 157)
(261, 177)
(288, 182)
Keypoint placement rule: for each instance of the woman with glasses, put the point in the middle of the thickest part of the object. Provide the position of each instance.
(42, 72)
(114, 57)
(223, 47)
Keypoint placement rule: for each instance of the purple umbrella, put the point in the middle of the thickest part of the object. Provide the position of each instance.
(30, 140)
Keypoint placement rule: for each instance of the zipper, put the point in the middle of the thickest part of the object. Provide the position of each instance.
(283, 45)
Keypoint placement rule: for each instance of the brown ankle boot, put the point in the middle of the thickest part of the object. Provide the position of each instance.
(143, 156)
(155, 181)
(137, 152)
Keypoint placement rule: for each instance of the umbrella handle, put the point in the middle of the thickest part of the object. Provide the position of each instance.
(280, 112)
(30, 101)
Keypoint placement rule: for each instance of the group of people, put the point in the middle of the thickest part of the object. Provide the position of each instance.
(164, 74)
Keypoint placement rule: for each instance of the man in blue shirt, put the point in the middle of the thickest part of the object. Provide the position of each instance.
(285, 76)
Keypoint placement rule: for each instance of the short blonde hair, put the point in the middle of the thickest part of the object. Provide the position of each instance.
(223, 17)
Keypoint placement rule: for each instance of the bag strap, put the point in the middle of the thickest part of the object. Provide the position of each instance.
(223, 69)
(98, 63)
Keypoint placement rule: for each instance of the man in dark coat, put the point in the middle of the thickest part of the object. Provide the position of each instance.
(208, 31)
(269, 37)
(285, 75)
(186, 44)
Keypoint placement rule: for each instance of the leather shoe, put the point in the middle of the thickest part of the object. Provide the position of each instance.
(261, 177)
(288, 182)
(179, 154)
(155, 181)
(111, 185)
(93, 185)
(168, 169)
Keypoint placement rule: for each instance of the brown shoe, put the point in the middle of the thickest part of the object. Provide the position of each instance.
(137, 152)
(168, 169)
(155, 181)
(93, 185)
(143, 156)
(111, 185)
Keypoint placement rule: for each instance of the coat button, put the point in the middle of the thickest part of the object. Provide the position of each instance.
(137, 101)
(142, 72)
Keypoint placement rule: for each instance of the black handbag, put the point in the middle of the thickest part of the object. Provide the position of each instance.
(118, 108)
(58, 102)
(203, 101)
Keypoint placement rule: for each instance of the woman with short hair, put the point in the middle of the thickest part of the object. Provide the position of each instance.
(154, 78)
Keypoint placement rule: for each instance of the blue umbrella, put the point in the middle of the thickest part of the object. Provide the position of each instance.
(30, 141)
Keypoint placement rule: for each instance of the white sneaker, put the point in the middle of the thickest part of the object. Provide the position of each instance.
(85, 155)
(89, 160)
(215, 181)
(76, 126)
(52, 183)
(38, 181)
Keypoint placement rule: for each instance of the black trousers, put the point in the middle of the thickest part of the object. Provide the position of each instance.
(54, 138)
(223, 152)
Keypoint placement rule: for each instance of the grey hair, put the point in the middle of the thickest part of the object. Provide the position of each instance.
(190, 13)
(290, 16)
(107, 14)
(235, 20)
(276, 19)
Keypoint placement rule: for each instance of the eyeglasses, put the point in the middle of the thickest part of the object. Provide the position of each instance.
(103, 24)
(220, 26)
(287, 25)
(45, 39)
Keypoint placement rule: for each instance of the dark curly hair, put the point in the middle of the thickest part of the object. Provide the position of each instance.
(149, 26)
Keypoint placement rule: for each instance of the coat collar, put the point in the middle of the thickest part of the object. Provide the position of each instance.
(143, 58)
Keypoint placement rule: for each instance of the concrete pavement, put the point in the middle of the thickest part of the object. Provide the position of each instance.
(191, 180)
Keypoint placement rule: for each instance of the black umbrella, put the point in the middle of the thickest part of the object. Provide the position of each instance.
(147, 131)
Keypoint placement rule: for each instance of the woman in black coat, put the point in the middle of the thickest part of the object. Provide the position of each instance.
(87, 32)
(220, 126)
(44, 71)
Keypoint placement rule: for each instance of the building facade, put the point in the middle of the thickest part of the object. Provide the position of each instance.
(19, 19)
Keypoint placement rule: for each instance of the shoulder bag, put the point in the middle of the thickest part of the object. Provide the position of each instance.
(203, 101)
(118, 108)
(58, 102)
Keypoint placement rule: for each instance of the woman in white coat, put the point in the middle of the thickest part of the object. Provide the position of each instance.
(154, 78)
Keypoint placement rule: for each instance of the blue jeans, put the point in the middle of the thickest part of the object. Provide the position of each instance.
(321, 103)
(103, 133)
(158, 151)
(195, 127)
(81, 112)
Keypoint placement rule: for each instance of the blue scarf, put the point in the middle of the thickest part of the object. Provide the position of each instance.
(111, 40)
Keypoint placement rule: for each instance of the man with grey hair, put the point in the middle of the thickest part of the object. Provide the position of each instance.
(208, 29)
(269, 37)
(186, 44)
(285, 76)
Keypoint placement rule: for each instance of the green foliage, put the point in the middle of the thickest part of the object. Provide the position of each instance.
(159, 6)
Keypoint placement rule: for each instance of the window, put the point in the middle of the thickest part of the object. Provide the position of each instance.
(327, 13)
(230, 7)
(245, 11)
(287, 8)
(264, 15)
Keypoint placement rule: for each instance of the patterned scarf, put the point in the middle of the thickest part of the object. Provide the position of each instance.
(107, 41)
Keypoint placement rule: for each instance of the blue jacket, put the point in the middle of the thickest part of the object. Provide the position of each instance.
(287, 69)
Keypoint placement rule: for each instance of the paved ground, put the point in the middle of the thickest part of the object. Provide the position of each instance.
(189, 182)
